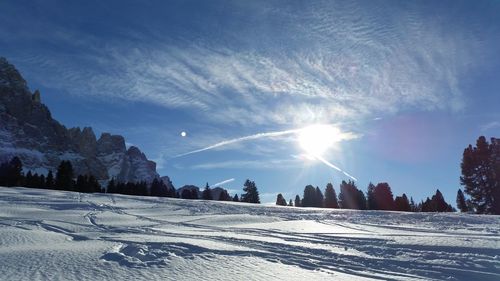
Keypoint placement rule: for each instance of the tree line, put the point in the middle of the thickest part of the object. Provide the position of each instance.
(377, 197)
(480, 169)
(480, 179)
(11, 174)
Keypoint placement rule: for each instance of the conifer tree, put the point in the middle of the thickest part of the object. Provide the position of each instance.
(461, 204)
(439, 204)
(156, 188)
(81, 183)
(361, 200)
(309, 197)
(4, 167)
(330, 197)
(28, 179)
(481, 175)
(371, 203)
(41, 183)
(251, 194)
(401, 203)
(382, 195)
(413, 207)
(111, 188)
(297, 201)
(207, 193)
(93, 185)
(64, 176)
(290, 203)
(36, 181)
(14, 172)
(349, 196)
(49, 182)
(235, 198)
(280, 200)
(318, 201)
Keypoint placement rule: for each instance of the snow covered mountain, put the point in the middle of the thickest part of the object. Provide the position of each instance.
(27, 130)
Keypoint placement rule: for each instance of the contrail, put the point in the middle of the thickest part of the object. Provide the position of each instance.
(223, 182)
(333, 166)
(251, 137)
(266, 135)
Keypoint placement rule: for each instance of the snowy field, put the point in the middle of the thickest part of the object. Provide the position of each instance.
(51, 235)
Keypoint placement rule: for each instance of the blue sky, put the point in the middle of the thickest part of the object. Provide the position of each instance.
(415, 82)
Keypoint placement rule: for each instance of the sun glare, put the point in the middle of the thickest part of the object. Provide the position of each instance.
(315, 140)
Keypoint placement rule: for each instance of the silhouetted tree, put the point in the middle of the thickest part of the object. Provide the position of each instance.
(4, 167)
(11, 173)
(49, 182)
(207, 193)
(41, 182)
(156, 188)
(251, 194)
(413, 206)
(330, 197)
(64, 176)
(290, 203)
(139, 188)
(297, 201)
(361, 200)
(349, 196)
(280, 200)
(436, 204)
(481, 175)
(382, 196)
(111, 188)
(87, 184)
(235, 198)
(318, 201)
(309, 197)
(93, 185)
(439, 203)
(370, 194)
(426, 206)
(81, 182)
(461, 204)
(28, 179)
(401, 203)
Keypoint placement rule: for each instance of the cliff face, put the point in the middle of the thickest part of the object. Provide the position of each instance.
(27, 130)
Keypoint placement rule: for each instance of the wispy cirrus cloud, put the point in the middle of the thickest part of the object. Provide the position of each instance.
(340, 62)
(249, 164)
(490, 125)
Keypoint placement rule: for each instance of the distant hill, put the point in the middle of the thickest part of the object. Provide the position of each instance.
(27, 130)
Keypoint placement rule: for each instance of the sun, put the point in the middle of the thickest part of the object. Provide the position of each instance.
(315, 140)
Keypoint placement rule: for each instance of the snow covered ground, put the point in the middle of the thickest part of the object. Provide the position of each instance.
(51, 235)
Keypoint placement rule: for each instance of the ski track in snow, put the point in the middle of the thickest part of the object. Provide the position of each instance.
(53, 235)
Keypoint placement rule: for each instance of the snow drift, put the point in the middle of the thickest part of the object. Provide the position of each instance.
(55, 235)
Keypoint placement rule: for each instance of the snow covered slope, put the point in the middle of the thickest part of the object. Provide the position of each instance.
(52, 235)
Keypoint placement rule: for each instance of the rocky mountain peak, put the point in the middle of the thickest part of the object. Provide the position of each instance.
(85, 140)
(108, 143)
(27, 130)
(10, 77)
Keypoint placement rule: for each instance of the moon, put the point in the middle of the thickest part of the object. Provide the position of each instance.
(183, 134)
